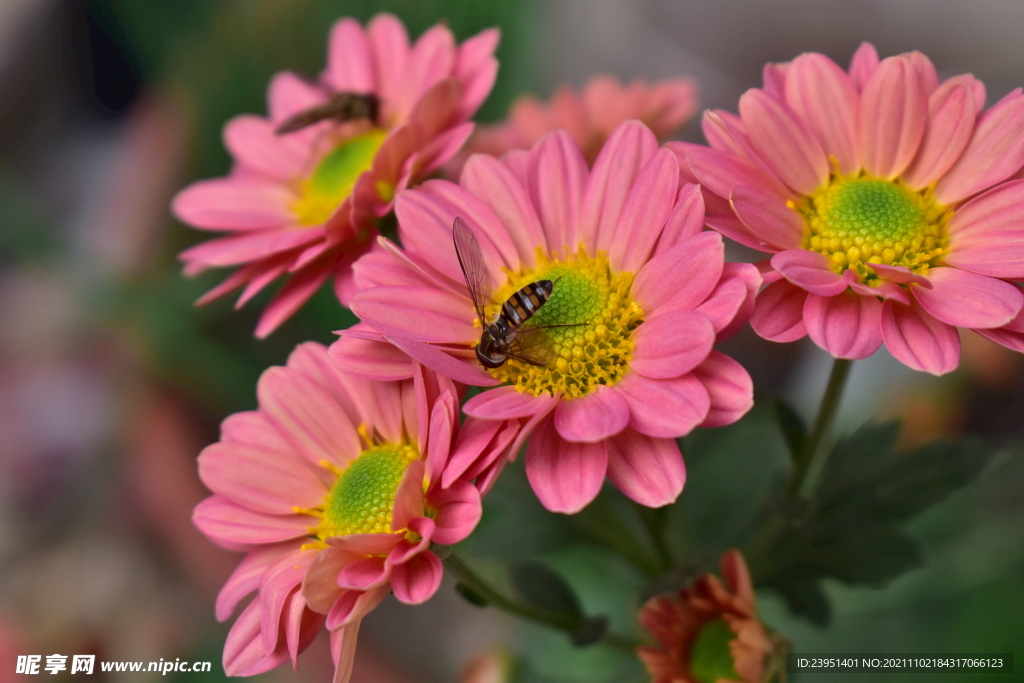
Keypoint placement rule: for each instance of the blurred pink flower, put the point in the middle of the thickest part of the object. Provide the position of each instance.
(886, 198)
(699, 625)
(641, 296)
(589, 116)
(333, 486)
(304, 204)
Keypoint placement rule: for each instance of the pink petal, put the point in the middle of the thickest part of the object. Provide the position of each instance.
(260, 479)
(918, 340)
(986, 233)
(994, 153)
(557, 175)
(627, 150)
(243, 649)
(650, 471)
(253, 427)
(234, 204)
(847, 326)
(254, 144)
(480, 444)
(458, 512)
(441, 149)
(565, 475)
(418, 313)
(951, 115)
(432, 58)
(458, 369)
(308, 417)
(287, 95)
(791, 152)
(343, 648)
(665, 408)
(280, 580)
(372, 359)
(263, 245)
(681, 277)
(506, 403)
(965, 299)
(301, 627)
(320, 586)
(349, 66)
(593, 417)
(728, 385)
(900, 274)
(645, 211)
(671, 344)
(1011, 336)
(224, 521)
(886, 289)
(775, 226)
(246, 577)
(774, 78)
(409, 496)
(721, 171)
(779, 312)
(477, 68)
(731, 303)
(492, 181)
(809, 270)
(926, 70)
(297, 291)
(352, 606)
(825, 97)
(364, 574)
(863, 64)
(416, 581)
(406, 549)
(389, 45)
(686, 219)
(893, 117)
(366, 544)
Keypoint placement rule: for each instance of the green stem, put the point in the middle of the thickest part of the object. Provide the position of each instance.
(813, 455)
(562, 622)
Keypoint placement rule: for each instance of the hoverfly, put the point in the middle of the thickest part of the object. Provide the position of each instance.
(345, 106)
(505, 336)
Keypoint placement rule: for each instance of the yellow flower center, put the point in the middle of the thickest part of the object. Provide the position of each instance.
(334, 177)
(595, 306)
(362, 500)
(857, 220)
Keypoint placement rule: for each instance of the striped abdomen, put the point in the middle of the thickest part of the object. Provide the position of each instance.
(521, 306)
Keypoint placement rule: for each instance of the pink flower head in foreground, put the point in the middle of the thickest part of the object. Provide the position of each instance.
(641, 295)
(886, 198)
(333, 486)
(303, 204)
(708, 633)
(590, 116)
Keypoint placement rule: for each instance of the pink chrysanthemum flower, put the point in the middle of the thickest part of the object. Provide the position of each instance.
(590, 115)
(708, 633)
(885, 197)
(641, 295)
(333, 486)
(303, 204)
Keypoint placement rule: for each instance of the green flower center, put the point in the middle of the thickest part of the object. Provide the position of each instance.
(858, 220)
(710, 656)
(335, 176)
(362, 501)
(599, 316)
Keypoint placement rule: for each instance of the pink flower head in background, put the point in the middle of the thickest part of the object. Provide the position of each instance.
(333, 486)
(708, 632)
(590, 115)
(640, 297)
(886, 198)
(304, 203)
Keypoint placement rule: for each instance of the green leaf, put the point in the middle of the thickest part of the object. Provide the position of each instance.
(852, 531)
(590, 631)
(540, 586)
(471, 596)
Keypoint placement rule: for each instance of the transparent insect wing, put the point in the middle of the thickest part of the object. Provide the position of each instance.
(474, 269)
(532, 345)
